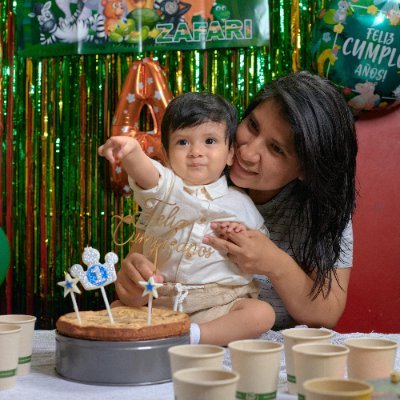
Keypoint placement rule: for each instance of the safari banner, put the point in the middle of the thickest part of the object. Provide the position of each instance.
(64, 27)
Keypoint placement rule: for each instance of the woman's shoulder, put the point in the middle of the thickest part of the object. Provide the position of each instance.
(284, 202)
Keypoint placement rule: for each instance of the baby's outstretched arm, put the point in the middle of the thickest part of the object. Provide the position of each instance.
(127, 150)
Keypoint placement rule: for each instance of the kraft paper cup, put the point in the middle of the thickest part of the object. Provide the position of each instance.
(337, 389)
(195, 356)
(370, 358)
(318, 360)
(9, 347)
(205, 383)
(27, 324)
(258, 362)
(294, 336)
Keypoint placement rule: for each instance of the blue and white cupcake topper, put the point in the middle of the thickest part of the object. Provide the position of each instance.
(150, 289)
(97, 275)
(70, 287)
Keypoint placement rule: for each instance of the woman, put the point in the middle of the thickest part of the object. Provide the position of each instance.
(296, 155)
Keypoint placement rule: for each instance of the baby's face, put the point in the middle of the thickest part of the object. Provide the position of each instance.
(199, 154)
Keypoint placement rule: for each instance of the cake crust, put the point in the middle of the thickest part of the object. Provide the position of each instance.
(130, 323)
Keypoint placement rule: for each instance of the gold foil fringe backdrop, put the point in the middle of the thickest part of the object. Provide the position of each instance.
(55, 196)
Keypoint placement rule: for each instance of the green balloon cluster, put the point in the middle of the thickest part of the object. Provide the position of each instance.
(356, 45)
(4, 256)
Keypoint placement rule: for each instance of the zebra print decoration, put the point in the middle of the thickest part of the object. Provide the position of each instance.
(72, 31)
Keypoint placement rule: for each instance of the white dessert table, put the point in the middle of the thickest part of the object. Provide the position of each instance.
(43, 383)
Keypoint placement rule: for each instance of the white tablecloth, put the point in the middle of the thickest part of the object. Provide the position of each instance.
(43, 383)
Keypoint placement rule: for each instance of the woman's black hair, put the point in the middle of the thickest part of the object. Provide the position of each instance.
(195, 108)
(326, 145)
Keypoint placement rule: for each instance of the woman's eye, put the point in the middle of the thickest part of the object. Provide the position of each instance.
(210, 141)
(252, 125)
(277, 149)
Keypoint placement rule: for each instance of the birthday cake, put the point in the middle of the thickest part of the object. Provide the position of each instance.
(130, 323)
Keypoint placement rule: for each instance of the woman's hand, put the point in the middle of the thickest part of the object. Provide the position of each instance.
(254, 253)
(135, 267)
(250, 249)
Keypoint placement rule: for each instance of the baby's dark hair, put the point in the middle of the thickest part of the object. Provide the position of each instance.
(194, 108)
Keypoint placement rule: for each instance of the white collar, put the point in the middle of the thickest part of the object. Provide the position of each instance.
(211, 191)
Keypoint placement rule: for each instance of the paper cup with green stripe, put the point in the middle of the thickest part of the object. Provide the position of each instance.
(258, 362)
(9, 347)
(318, 360)
(204, 383)
(293, 336)
(27, 324)
(370, 358)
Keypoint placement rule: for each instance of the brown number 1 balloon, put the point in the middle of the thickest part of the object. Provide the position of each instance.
(145, 86)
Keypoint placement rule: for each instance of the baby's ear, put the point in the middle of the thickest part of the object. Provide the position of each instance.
(165, 160)
(229, 159)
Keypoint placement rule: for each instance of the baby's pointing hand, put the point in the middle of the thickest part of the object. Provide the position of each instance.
(117, 147)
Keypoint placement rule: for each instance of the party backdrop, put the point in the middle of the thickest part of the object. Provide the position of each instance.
(69, 27)
(56, 195)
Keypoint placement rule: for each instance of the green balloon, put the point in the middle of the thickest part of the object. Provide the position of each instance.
(4, 256)
(356, 45)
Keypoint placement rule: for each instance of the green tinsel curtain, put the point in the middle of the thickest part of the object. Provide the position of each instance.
(55, 195)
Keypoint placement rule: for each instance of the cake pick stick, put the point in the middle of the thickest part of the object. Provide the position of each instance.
(149, 309)
(155, 261)
(70, 287)
(103, 292)
(150, 303)
(150, 288)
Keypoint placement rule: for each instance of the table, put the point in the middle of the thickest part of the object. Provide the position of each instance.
(43, 383)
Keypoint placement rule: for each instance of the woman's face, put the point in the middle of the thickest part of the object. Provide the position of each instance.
(265, 157)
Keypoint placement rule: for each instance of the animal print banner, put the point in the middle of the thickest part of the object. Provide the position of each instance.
(61, 27)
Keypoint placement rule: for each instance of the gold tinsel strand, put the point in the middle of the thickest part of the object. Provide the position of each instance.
(295, 35)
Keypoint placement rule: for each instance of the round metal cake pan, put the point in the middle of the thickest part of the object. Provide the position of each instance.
(143, 362)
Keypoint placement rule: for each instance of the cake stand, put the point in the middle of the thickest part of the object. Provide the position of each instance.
(144, 362)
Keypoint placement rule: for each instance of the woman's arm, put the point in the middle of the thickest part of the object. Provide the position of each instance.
(254, 253)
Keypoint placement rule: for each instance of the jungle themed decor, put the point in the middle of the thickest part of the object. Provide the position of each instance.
(59, 27)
